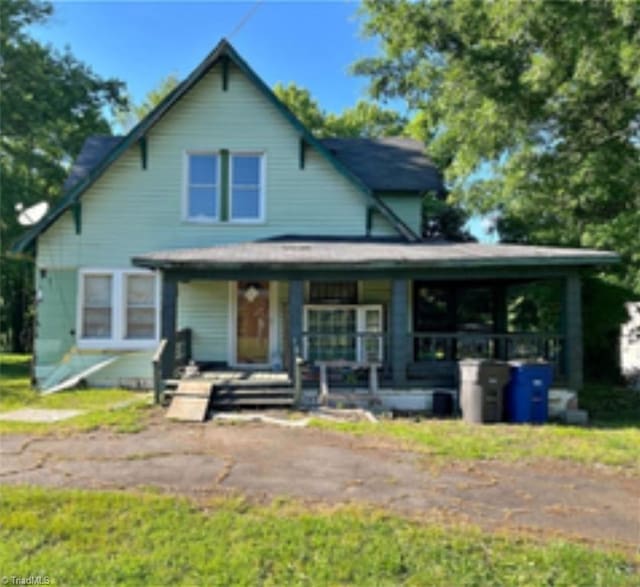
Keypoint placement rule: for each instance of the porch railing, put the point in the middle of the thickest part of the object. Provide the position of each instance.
(454, 346)
(183, 348)
(348, 346)
(165, 363)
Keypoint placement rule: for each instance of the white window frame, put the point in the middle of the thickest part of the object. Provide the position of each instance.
(186, 185)
(361, 310)
(261, 188)
(118, 312)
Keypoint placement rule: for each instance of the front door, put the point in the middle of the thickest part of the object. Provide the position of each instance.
(252, 323)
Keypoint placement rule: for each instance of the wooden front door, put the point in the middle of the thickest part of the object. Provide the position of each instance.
(252, 334)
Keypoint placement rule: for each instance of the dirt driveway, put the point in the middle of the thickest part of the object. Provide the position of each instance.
(265, 461)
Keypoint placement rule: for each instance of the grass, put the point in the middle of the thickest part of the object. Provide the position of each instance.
(613, 439)
(122, 410)
(99, 538)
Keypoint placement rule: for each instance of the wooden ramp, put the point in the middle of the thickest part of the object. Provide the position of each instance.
(190, 401)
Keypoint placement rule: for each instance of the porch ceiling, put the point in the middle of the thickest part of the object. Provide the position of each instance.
(309, 253)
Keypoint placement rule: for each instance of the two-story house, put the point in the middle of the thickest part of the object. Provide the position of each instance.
(220, 214)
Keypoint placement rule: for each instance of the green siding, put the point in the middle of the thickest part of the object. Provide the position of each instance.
(56, 315)
(202, 306)
(131, 370)
(313, 200)
(407, 208)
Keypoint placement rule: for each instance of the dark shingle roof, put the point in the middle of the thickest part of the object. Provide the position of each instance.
(319, 253)
(388, 164)
(94, 149)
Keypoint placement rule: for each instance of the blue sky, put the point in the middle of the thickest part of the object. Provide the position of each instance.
(311, 43)
(140, 43)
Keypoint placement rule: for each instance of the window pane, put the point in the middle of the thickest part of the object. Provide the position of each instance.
(333, 334)
(141, 312)
(333, 292)
(96, 323)
(97, 290)
(245, 203)
(203, 169)
(245, 170)
(202, 202)
(140, 290)
(141, 323)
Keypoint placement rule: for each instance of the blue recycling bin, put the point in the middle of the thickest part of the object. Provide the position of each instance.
(527, 395)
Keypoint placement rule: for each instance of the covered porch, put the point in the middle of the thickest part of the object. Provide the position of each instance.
(412, 310)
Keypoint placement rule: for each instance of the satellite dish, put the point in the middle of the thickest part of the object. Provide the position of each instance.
(31, 215)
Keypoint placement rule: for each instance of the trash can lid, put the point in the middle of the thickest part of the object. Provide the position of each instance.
(528, 363)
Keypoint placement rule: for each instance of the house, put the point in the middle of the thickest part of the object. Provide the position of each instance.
(223, 227)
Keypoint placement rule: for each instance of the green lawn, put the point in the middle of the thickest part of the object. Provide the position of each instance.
(97, 538)
(122, 410)
(613, 438)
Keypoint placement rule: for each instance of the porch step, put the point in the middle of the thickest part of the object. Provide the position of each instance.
(252, 392)
(228, 398)
(251, 402)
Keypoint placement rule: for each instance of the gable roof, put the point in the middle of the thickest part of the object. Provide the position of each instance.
(223, 52)
(389, 163)
(93, 151)
(392, 164)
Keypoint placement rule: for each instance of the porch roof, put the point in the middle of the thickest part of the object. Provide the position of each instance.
(326, 253)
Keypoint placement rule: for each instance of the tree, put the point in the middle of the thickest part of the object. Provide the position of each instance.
(128, 117)
(546, 95)
(440, 220)
(50, 102)
(365, 119)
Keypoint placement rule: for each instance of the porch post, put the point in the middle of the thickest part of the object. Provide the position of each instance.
(399, 349)
(296, 302)
(573, 331)
(169, 322)
(500, 320)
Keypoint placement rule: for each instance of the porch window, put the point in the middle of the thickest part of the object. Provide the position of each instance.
(202, 186)
(246, 187)
(348, 332)
(117, 309)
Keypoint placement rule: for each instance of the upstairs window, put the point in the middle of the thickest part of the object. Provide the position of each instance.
(246, 187)
(203, 187)
(224, 187)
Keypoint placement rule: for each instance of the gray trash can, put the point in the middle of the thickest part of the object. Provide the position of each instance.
(482, 384)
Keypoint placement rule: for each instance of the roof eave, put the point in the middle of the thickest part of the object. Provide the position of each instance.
(522, 262)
